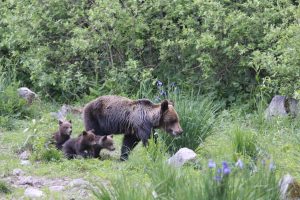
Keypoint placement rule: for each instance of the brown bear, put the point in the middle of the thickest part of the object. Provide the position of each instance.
(80, 146)
(133, 118)
(63, 134)
(102, 142)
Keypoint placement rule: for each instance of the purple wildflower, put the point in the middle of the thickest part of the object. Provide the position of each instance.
(211, 164)
(159, 83)
(173, 84)
(226, 169)
(218, 178)
(163, 93)
(239, 164)
(272, 166)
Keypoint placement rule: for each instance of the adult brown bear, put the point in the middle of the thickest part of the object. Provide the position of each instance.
(133, 118)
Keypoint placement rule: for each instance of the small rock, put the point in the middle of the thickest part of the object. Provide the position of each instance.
(17, 172)
(56, 188)
(25, 162)
(79, 183)
(27, 180)
(24, 155)
(289, 188)
(33, 193)
(64, 110)
(182, 156)
(27, 94)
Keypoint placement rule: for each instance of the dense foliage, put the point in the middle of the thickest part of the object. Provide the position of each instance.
(66, 48)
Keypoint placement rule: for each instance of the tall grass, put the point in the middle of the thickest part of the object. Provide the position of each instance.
(245, 182)
(243, 142)
(197, 117)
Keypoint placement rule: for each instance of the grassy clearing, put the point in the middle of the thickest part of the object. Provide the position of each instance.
(227, 135)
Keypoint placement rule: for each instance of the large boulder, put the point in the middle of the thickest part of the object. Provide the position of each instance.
(27, 94)
(182, 156)
(282, 106)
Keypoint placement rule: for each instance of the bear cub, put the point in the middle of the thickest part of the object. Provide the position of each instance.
(80, 146)
(63, 134)
(102, 142)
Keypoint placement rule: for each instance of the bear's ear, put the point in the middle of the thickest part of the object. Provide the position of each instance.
(172, 103)
(164, 105)
(70, 121)
(111, 136)
(92, 130)
(84, 133)
(60, 122)
(104, 138)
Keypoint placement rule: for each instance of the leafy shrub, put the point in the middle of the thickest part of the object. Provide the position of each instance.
(229, 47)
(14, 107)
(40, 144)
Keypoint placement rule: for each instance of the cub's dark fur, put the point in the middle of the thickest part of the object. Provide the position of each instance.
(80, 146)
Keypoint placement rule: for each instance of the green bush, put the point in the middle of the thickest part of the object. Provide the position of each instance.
(13, 107)
(229, 47)
(4, 188)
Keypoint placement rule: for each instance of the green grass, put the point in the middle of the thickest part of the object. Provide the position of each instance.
(4, 188)
(227, 135)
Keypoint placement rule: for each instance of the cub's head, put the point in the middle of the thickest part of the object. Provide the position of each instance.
(106, 142)
(88, 137)
(169, 120)
(65, 127)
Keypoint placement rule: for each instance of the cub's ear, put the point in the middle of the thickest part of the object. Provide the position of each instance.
(104, 138)
(164, 105)
(70, 121)
(84, 133)
(60, 122)
(111, 136)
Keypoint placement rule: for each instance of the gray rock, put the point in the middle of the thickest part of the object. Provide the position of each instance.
(18, 172)
(33, 193)
(282, 106)
(24, 155)
(27, 94)
(56, 188)
(289, 188)
(79, 183)
(64, 110)
(25, 162)
(182, 156)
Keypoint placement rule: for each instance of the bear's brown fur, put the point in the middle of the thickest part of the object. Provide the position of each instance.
(133, 118)
(103, 142)
(79, 146)
(63, 134)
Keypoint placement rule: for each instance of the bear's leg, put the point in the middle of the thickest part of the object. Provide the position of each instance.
(96, 152)
(129, 142)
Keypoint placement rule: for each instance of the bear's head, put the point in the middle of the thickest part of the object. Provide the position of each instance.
(106, 142)
(88, 138)
(65, 127)
(169, 120)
